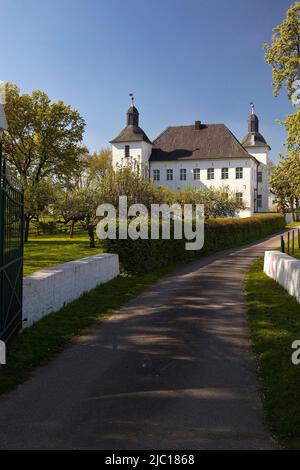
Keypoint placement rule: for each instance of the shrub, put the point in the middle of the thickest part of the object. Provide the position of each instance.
(146, 255)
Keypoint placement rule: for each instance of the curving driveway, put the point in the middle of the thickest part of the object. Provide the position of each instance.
(170, 370)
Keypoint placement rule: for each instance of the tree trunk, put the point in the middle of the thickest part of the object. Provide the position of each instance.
(26, 227)
(72, 229)
(90, 229)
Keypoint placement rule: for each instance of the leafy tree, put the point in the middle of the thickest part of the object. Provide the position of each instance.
(284, 53)
(217, 202)
(44, 140)
(37, 197)
(285, 183)
(127, 182)
(98, 164)
(79, 205)
(284, 56)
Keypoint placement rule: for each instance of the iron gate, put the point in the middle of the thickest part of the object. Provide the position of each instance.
(11, 252)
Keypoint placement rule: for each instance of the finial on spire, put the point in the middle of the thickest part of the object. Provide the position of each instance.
(132, 98)
(252, 107)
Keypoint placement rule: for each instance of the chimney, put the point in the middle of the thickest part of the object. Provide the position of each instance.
(197, 125)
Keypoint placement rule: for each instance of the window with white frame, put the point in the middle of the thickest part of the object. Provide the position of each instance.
(182, 174)
(210, 173)
(169, 175)
(224, 173)
(196, 173)
(239, 173)
(156, 175)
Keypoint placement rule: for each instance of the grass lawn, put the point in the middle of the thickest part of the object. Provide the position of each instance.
(296, 245)
(274, 318)
(50, 250)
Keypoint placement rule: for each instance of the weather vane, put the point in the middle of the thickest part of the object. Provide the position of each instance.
(132, 98)
(252, 107)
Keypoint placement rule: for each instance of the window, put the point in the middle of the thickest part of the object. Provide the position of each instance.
(210, 173)
(196, 174)
(182, 174)
(156, 175)
(259, 176)
(224, 173)
(169, 175)
(239, 173)
(259, 200)
(127, 150)
(239, 197)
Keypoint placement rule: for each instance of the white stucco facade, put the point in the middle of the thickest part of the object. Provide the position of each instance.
(139, 154)
(262, 156)
(243, 171)
(244, 185)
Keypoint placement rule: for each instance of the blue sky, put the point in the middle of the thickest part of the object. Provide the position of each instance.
(185, 60)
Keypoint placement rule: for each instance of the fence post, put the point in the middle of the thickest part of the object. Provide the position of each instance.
(299, 238)
(282, 244)
(288, 243)
(293, 242)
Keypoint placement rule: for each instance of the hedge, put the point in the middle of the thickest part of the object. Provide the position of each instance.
(137, 256)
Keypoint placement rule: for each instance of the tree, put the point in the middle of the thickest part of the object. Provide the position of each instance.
(284, 56)
(284, 53)
(79, 205)
(285, 183)
(98, 164)
(44, 139)
(37, 197)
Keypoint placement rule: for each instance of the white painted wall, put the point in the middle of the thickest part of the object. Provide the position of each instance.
(262, 155)
(285, 270)
(139, 154)
(51, 289)
(245, 185)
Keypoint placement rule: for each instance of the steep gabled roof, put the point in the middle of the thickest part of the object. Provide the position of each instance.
(210, 141)
(254, 139)
(131, 133)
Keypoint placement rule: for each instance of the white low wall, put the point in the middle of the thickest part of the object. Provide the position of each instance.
(285, 270)
(49, 290)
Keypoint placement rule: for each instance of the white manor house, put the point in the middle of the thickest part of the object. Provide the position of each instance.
(199, 155)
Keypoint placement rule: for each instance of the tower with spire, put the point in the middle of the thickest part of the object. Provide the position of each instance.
(257, 146)
(132, 147)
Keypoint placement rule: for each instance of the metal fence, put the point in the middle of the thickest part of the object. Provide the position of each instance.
(11, 252)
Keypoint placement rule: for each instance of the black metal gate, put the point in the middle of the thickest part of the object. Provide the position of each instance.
(11, 252)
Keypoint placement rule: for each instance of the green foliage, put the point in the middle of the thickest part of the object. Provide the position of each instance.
(284, 53)
(128, 182)
(274, 318)
(285, 183)
(43, 138)
(219, 202)
(148, 255)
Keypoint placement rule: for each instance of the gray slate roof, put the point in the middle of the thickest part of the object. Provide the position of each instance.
(254, 139)
(211, 141)
(131, 133)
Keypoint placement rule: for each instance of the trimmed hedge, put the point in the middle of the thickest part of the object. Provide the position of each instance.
(139, 256)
